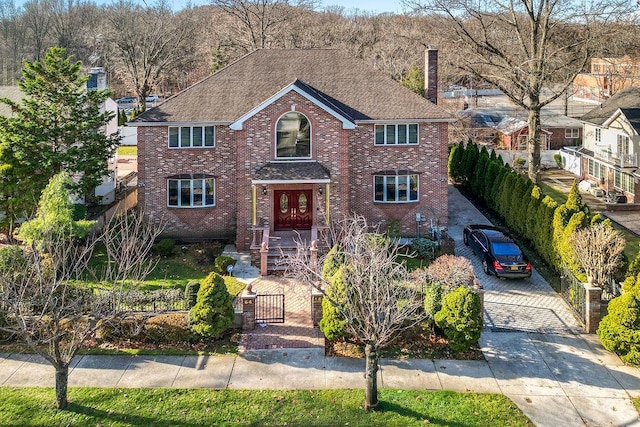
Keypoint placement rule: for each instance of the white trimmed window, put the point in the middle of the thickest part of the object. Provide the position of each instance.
(595, 169)
(623, 144)
(405, 134)
(192, 136)
(293, 136)
(623, 181)
(572, 133)
(395, 188)
(598, 135)
(191, 191)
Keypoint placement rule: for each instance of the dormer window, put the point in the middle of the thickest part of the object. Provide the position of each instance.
(293, 136)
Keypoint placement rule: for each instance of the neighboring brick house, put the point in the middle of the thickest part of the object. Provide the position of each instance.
(281, 139)
(606, 77)
(609, 156)
(507, 128)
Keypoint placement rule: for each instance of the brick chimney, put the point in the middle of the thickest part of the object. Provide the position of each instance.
(431, 74)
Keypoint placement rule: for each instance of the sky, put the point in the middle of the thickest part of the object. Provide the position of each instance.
(375, 6)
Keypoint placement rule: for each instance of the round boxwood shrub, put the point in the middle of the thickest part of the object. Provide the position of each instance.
(165, 247)
(460, 318)
(619, 331)
(221, 263)
(213, 313)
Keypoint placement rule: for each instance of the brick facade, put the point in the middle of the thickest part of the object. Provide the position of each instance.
(350, 156)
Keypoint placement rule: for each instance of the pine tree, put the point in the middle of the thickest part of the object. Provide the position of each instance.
(58, 126)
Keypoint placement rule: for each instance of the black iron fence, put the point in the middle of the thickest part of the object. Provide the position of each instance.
(162, 300)
(573, 293)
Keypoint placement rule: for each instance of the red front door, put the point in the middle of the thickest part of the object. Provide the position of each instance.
(292, 209)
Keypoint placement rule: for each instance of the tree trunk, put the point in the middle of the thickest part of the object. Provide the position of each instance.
(534, 145)
(62, 380)
(371, 375)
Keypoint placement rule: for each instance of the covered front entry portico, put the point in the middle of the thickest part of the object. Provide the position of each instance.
(288, 197)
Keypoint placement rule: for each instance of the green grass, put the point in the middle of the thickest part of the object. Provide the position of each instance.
(127, 150)
(178, 407)
(413, 263)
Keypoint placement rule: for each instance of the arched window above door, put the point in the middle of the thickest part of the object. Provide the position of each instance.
(293, 136)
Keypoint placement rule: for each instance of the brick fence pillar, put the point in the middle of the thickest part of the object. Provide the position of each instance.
(593, 295)
(477, 286)
(248, 309)
(264, 252)
(316, 305)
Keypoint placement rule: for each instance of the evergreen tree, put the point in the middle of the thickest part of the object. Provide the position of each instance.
(55, 215)
(213, 313)
(414, 80)
(58, 126)
(455, 161)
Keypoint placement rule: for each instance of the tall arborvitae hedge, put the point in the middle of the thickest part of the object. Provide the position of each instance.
(527, 211)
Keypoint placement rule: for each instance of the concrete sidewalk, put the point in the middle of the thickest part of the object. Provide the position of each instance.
(592, 379)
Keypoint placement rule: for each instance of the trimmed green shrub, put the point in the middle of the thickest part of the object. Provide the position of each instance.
(424, 248)
(79, 211)
(221, 263)
(333, 324)
(619, 331)
(191, 293)
(213, 313)
(165, 247)
(460, 318)
(234, 286)
(558, 159)
(433, 293)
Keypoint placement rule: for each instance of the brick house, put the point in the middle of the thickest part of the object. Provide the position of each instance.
(287, 140)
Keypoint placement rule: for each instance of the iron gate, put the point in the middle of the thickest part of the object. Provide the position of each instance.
(270, 308)
(573, 293)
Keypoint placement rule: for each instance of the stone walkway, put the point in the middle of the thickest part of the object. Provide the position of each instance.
(297, 331)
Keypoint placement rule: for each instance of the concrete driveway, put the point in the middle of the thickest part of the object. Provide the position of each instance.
(537, 351)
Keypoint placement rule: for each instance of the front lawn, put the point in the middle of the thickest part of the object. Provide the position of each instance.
(194, 407)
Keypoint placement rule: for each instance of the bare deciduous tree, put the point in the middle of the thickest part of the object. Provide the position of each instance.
(149, 42)
(599, 250)
(257, 23)
(46, 301)
(381, 300)
(529, 49)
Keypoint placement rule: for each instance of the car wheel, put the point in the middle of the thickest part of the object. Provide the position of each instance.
(485, 267)
(465, 239)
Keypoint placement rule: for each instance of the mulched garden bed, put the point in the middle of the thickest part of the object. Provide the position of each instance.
(418, 342)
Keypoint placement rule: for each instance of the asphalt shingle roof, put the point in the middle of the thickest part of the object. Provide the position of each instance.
(358, 90)
(292, 171)
(626, 98)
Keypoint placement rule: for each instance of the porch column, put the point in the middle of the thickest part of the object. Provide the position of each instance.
(326, 203)
(254, 205)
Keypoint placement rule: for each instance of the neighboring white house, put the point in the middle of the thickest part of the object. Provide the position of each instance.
(611, 143)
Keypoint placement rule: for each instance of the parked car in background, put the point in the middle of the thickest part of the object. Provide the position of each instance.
(127, 100)
(151, 98)
(499, 253)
